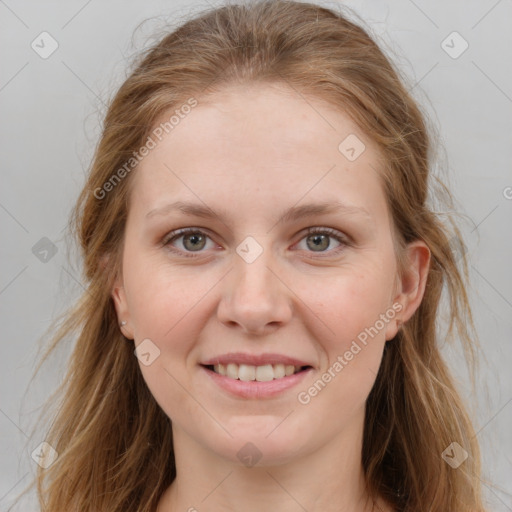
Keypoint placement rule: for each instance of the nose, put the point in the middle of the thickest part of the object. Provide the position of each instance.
(255, 298)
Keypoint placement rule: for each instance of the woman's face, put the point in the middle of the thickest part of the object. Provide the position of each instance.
(249, 287)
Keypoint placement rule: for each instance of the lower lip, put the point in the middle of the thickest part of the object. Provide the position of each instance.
(253, 388)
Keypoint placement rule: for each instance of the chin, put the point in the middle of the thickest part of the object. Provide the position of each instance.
(261, 446)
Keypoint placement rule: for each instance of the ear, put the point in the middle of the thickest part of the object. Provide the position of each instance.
(410, 286)
(121, 306)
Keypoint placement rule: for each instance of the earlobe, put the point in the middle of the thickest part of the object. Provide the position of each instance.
(411, 285)
(121, 306)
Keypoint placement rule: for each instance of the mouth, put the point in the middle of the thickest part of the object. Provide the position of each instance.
(262, 373)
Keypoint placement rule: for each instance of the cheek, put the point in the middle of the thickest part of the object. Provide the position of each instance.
(352, 351)
(356, 308)
(161, 298)
(351, 303)
(163, 305)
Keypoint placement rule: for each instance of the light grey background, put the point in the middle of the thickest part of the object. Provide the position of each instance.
(51, 109)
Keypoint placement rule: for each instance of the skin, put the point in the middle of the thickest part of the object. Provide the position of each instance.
(252, 152)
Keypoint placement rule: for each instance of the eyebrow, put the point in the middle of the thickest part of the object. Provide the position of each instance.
(292, 214)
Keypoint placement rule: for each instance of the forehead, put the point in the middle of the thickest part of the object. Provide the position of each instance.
(264, 142)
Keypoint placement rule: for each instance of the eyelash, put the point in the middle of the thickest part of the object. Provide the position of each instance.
(174, 235)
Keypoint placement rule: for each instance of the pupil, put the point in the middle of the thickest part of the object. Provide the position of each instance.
(320, 241)
(194, 238)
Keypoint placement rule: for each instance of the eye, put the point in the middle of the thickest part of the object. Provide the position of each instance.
(194, 240)
(320, 239)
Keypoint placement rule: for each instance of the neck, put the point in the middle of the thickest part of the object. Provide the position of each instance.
(330, 478)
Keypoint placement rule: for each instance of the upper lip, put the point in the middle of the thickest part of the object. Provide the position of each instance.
(254, 359)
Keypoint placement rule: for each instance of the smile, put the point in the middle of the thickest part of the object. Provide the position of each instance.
(263, 373)
(263, 381)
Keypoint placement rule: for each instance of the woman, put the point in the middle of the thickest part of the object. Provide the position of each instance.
(264, 279)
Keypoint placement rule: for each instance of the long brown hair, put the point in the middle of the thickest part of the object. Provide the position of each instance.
(114, 443)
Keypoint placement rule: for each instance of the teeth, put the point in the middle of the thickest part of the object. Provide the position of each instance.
(231, 371)
(279, 371)
(247, 372)
(264, 373)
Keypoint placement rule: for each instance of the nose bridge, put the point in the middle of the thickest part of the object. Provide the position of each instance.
(253, 277)
(254, 297)
(254, 280)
